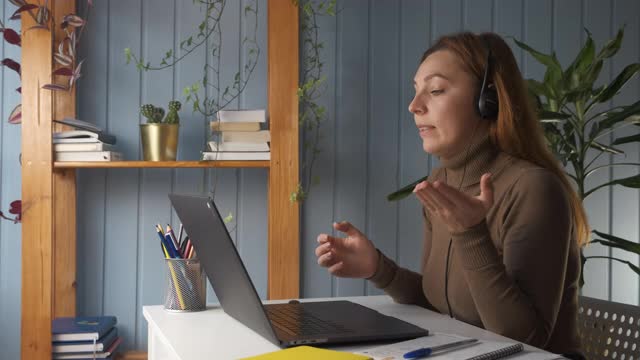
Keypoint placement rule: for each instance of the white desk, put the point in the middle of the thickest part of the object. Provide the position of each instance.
(212, 334)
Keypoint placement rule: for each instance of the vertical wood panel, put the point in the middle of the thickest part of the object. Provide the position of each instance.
(317, 214)
(478, 15)
(252, 194)
(597, 18)
(37, 194)
(223, 183)
(537, 34)
(567, 30)
(122, 185)
(384, 106)
(64, 197)
(625, 214)
(157, 88)
(91, 185)
(416, 33)
(508, 22)
(284, 245)
(352, 122)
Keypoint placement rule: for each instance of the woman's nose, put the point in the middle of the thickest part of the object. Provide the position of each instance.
(416, 106)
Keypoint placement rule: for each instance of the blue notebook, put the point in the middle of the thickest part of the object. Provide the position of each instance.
(81, 328)
(86, 346)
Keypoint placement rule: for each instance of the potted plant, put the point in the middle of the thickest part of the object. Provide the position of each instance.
(160, 136)
(566, 101)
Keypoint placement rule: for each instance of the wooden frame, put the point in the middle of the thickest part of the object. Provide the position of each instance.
(49, 189)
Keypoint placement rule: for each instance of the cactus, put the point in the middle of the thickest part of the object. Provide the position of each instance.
(172, 115)
(152, 113)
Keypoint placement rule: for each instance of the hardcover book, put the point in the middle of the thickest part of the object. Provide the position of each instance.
(81, 328)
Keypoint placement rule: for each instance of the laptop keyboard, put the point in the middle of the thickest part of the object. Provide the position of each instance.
(294, 320)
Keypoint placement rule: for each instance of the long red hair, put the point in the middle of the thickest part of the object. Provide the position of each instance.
(517, 130)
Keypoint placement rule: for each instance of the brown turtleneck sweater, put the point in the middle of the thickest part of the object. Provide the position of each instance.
(516, 273)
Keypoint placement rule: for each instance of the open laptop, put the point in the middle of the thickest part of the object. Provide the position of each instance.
(289, 324)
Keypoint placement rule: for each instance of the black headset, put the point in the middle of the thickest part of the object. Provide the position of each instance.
(487, 97)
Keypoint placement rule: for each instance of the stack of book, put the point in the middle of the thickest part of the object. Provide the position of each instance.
(237, 135)
(86, 142)
(93, 337)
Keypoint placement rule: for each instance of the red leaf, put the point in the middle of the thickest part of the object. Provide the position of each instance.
(15, 17)
(15, 207)
(11, 36)
(63, 72)
(11, 64)
(23, 8)
(62, 59)
(16, 115)
(73, 20)
(55, 87)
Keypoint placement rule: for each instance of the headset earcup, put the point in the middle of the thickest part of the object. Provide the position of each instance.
(488, 103)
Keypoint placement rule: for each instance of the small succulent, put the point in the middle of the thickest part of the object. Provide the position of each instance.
(172, 116)
(155, 114)
(152, 113)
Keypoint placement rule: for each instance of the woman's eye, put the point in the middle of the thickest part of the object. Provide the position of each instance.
(437, 92)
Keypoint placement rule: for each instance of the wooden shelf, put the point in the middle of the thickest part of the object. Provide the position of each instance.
(162, 164)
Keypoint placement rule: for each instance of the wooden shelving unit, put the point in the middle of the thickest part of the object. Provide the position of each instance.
(159, 164)
(49, 188)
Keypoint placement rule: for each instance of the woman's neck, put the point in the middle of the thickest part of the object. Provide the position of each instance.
(471, 162)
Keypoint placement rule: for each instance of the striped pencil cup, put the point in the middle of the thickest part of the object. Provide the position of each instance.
(186, 288)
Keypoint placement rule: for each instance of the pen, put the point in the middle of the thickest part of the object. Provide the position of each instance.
(173, 237)
(180, 235)
(423, 352)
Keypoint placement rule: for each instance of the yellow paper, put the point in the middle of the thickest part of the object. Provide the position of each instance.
(308, 353)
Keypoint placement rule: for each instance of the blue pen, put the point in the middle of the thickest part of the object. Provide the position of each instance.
(167, 245)
(424, 352)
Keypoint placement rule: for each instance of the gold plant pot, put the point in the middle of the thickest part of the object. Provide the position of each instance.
(159, 141)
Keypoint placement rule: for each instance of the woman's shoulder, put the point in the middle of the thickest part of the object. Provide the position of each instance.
(523, 177)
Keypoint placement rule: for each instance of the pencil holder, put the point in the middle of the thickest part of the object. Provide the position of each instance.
(185, 285)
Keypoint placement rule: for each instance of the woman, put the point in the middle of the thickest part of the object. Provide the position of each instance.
(503, 225)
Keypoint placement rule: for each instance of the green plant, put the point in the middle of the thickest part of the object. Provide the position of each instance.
(208, 96)
(172, 116)
(576, 132)
(155, 114)
(311, 114)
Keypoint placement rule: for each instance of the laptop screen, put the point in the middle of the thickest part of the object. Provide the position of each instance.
(222, 264)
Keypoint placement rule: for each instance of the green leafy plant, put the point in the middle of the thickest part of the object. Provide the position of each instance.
(566, 100)
(311, 114)
(155, 114)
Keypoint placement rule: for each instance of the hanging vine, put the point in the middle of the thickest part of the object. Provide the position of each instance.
(208, 95)
(312, 86)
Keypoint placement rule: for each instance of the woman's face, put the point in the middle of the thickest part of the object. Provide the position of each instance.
(443, 107)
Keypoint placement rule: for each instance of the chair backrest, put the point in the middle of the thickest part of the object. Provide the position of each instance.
(609, 330)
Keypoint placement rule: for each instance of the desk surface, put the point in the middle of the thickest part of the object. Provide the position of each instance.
(199, 335)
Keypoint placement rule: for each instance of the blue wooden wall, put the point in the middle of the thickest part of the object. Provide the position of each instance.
(369, 146)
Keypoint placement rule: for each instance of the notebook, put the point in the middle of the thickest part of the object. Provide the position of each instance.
(308, 353)
(481, 350)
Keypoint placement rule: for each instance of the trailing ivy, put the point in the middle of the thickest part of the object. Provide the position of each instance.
(312, 81)
(209, 95)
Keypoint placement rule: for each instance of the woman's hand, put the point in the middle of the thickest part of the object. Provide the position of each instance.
(456, 209)
(352, 256)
